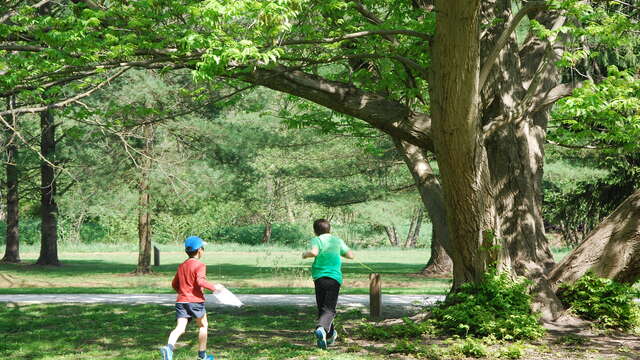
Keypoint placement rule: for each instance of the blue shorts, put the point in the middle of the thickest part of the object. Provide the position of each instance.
(190, 310)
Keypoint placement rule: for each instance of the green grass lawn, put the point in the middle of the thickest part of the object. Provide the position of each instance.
(57, 332)
(246, 270)
(106, 269)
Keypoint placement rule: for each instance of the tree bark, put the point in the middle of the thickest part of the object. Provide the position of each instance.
(266, 234)
(461, 156)
(12, 249)
(611, 250)
(439, 264)
(515, 151)
(144, 212)
(48, 205)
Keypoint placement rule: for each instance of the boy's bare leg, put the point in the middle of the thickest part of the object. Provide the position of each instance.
(202, 332)
(181, 326)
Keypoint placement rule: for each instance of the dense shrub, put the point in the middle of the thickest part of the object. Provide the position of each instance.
(605, 302)
(498, 306)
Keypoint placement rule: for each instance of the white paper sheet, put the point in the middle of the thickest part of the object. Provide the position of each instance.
(226, 297)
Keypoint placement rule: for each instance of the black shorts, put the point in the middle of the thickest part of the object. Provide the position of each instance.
(190, 310)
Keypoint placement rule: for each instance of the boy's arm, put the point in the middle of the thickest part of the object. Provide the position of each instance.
(201, 279)
(311, 253)
(345, 251)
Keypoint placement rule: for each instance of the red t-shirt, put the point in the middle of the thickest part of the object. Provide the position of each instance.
(190, 278)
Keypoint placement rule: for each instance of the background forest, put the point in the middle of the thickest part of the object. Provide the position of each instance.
(258, 167)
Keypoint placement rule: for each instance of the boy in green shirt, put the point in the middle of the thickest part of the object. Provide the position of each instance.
(327, 277)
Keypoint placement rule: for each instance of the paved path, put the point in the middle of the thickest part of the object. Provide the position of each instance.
(395, 301)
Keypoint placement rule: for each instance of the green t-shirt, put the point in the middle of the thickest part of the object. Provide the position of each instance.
(328, 262)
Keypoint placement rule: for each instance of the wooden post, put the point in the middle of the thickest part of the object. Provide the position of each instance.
(156, 256)
(375, 297)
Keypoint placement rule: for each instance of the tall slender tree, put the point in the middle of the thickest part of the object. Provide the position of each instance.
(48, 205)
(144, 202)
(12, 250)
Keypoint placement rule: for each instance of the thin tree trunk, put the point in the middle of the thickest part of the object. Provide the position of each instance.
(12, 250)
(266, 234)
(48, 206)
(439, 264)
(611, 250)
(413, 241)
(411, 234)
(392, 234)
(411, 228)
(144, 213)
(290, 215)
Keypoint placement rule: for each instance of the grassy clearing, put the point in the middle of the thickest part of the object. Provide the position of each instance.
(245, 269)
(56, 332)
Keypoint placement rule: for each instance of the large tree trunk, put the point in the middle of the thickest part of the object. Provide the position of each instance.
(144, 213)
(439, 264)
(12, 250)
(48, 206)
(515, 151)
(611, 250)
(460, 153)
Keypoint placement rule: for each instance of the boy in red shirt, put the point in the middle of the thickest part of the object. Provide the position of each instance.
(189, 281)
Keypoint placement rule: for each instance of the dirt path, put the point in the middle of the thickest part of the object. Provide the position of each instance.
(396, 302)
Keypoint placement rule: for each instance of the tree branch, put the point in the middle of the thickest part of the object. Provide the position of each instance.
(22, 48)
(8, 15)
(389, 116)
(66, 102)
(587, 147)
(504, 38)
(355, 36)
(550, 97)
(366, 13)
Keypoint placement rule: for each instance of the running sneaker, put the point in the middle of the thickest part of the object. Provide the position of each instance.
(167, 353)
(332, 337)
(208, 357)
(321, 337)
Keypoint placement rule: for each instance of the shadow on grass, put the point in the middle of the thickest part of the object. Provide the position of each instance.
(136, 332)
(106, 277)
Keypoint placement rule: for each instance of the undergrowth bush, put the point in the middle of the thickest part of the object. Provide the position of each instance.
(512, 351)
(605, 302)
(282, 234)
(499, 306)
(472, 348)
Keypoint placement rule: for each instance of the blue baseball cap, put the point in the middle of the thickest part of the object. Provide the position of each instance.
(193, 243)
